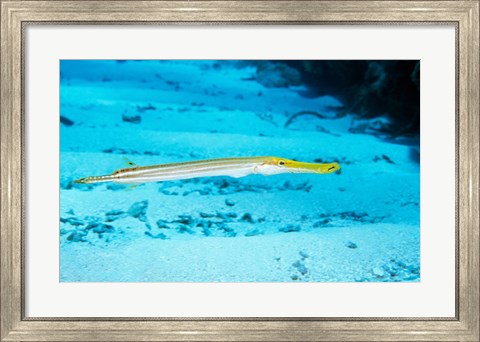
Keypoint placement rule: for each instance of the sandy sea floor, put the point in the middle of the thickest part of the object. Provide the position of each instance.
(358, 225)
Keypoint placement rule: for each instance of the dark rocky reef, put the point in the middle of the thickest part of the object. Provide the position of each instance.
(369, 89)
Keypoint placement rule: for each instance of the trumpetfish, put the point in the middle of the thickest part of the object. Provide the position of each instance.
(233, 167)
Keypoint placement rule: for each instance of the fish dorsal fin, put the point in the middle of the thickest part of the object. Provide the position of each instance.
(129, 162)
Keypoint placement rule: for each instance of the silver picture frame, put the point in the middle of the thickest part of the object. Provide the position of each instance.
(17, 15)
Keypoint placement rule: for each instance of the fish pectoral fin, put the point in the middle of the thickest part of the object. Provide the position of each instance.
(131, 187)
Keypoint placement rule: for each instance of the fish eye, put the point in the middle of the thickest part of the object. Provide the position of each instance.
(281, 162)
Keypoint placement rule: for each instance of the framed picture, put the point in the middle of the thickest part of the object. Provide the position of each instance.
(255, 170)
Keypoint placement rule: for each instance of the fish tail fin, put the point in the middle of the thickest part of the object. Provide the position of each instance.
(94, 179)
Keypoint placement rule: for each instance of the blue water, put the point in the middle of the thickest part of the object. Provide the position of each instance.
(360, 224)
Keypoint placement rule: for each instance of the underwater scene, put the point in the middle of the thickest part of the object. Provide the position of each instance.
(239, 171)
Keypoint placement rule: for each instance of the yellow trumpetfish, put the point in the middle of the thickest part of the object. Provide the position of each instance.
(233, 167)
